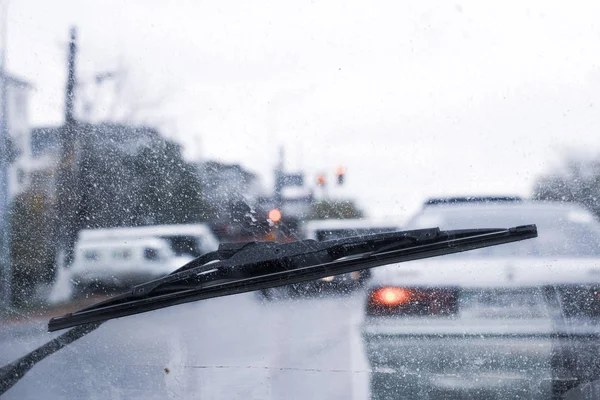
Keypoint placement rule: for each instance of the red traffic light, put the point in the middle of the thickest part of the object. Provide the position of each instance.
(321, 180)
(340, 171)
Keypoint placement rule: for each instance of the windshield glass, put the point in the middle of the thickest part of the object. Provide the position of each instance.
(138, 136)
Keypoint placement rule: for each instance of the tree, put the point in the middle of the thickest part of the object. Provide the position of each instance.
(578, 181)
(129, 176)
(335, 209)
(32, 249)
(170, 190)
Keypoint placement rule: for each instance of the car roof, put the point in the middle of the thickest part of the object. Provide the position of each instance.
(507, 205)
(471, 200)
(479, 214)
(142, 231)
(125, 243)
(348, 224)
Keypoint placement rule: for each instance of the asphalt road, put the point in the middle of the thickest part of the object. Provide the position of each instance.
(238, 347)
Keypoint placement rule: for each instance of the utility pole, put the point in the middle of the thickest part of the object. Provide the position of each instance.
(5, 263)
(278, 196)
(279, 180)
(67, 188)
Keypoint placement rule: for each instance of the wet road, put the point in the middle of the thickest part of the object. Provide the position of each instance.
(238, 347)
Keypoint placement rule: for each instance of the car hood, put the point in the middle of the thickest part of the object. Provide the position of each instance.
(489, 272)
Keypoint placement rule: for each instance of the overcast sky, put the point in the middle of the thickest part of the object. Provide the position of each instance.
(416, 98)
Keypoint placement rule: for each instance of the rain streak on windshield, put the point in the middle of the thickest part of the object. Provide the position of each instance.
(150, 150)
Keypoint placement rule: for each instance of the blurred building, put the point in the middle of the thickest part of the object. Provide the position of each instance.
(228, 183)
(17, 104)
(233, 192)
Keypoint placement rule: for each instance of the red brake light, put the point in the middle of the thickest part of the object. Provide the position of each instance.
(390, 296)
(393, 300)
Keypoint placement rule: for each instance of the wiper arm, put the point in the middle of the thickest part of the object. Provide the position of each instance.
(238, 268)
(13, 372)
(244, 267)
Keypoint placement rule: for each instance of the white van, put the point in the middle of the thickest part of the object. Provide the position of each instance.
(125, 262)
(192, 239)
(127, 256)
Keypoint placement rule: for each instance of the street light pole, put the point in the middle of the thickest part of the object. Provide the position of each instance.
(5, 263)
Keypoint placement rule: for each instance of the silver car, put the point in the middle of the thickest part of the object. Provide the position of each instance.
(514, 321)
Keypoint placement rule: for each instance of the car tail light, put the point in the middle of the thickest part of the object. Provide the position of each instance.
(391, 296)
(394, 300)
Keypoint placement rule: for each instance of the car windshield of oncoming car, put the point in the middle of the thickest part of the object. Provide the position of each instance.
(137, 135)
(564, 232)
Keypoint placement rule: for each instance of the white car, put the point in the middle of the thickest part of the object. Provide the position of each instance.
(514, 321)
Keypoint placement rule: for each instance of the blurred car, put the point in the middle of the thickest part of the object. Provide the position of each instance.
(122, 257)
(514, 321)
(330, 229)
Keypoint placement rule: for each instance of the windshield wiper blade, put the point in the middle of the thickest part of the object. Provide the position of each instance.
(238, 268)
(243, 267)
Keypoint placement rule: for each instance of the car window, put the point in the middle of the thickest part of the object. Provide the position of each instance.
(121, 254)
(91, 255)
(151, 254)
(185, 245)
(139, 139)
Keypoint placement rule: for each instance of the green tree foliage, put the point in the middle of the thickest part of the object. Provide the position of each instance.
(335, 209)
(578, 182)
(169, 189)
(152, 185)
(32, 251)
